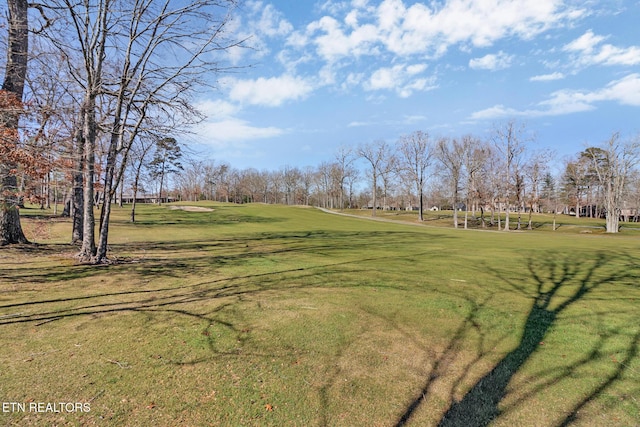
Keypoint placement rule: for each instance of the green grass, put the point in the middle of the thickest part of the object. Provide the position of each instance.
(540, 221)
(271, 315)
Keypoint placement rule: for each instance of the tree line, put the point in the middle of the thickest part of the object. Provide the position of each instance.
(500, 181)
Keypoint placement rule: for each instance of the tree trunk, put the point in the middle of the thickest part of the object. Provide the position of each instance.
(121, 192)
(15, 74)
(519, 225)
(492, 219)
(613, 212)
(455, 207)
(77, 199)
(161, 182)
(133, 205)
(612, 223)
(375, 192)
(506, 217)
(88, 249)
(109, 191)
(135, 189)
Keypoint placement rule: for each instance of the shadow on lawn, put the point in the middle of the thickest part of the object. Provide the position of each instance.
(149, 299)
(202, 258)
(559, 281)
(148, 260)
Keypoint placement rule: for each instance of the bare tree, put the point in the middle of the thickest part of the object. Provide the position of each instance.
(614, 162)
(138, 81)
(550, 192)
(84, 42)
(575, 180)
(291, 177)
(451, 154)
(535, 172)
(344, 168)
(416, 154)
(474, 160)
(139, 153)
(252, 185)
(144, 86)
(307, 181)
(377, 156)
(214, 177)
(389, 176)
(323, 182)
(510, 141)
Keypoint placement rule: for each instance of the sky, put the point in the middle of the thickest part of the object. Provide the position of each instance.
(328, 74)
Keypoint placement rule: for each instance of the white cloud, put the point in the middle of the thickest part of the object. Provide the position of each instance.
(217, 108)
(427, 29)
(220, 128)
(611, 55)
(624, 91)
(563, 102)
(410, 119)
(232, 129)
(351, 32)
(390, 14)
(333, 43)
(297, 39)
(358, 124)
(497, 111)
(352, 19)
(265, 22)
(400, 78)
(385, 78)
(585, 43)
(333, 7)
(270, 92)
(589, 50)
(418, 85)
(492, 62)
(416, 68)
(270, 21)
(547, 77)
(353, 79)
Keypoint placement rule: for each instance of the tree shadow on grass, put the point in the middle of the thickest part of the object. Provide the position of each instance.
(148, 299)
(194, 258)
(149, 260)
(202, 258)
(559, 282)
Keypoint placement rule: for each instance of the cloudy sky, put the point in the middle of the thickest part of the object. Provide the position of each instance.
(330, 73)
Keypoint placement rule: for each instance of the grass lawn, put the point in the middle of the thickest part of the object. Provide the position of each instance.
(263, 315)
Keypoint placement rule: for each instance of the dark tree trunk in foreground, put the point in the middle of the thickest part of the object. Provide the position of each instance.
(15, 73)
(77, 198)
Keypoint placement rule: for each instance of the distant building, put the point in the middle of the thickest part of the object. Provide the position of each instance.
(144, 198)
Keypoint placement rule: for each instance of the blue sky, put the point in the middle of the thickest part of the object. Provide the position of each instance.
(332, 73)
